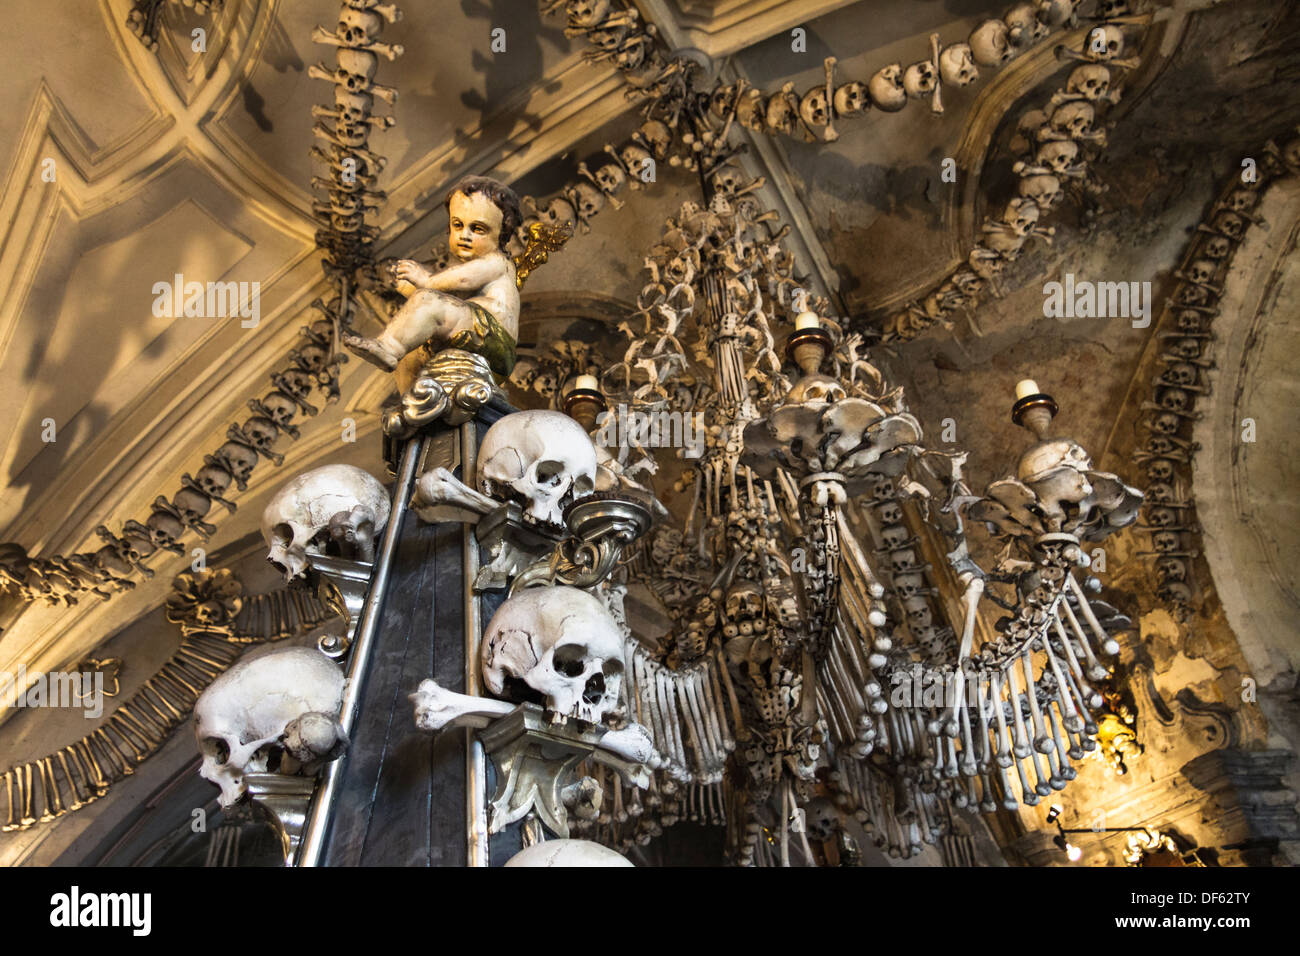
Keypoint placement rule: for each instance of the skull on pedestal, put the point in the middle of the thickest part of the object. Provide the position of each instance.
(557, 645)
(329, 501)
(277, 712)
(542, 459)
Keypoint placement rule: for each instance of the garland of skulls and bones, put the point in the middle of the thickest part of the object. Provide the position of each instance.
(1185, 330)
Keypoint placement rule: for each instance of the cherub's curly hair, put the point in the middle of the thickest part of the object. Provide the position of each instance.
(502, 196)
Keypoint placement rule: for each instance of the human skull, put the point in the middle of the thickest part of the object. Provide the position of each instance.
(242, 720)
(1165, 541)
(1074, 119)
(956, 65)
(894, 536)
(358, 27)
(559, 645)
(990, 44)
(261, 432)
(987, 265)
(353, 108)
(780, 112)
(882, 487)
(1105, 42)
(919, 79)
(1160, 469)
(567, 853)
(356, 69)
(1043, 188)
(815, 108)
(890, 512)
(1202, 271)
(1059, 155)
(296, 521)
(1230, 224)
(1189, 320)
(1056, 13)
(1174, 592)
(851, 98)
(1160, 492)
(213, 479)
(239, 460)
(727, 178)
(821, 819)
(1021, 215)
(587, 200)
(919, 615)
(1175, 399)
(720, 100)
(1162, 517)
(908, 585)
(657, 137)
(586, 13)
(192, 505)
(541, 458)
(559, 214)
(1165, 423)
(1091, 81)
(611, 178)
(815, 388)
(1192, 294)
(1217, 247)
(1023, 26)
(1180, 374)
(749, 109)
(164, 529)
(886, 88)
(635, 158)
(1172, 569)
(905, 558)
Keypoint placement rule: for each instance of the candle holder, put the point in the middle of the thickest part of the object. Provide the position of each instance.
(584, 406)
(808, 348)
(1035, 412)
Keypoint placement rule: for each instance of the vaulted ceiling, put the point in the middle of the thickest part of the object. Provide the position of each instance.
(176, 162)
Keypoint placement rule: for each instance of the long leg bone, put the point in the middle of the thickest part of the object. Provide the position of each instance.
(437, 708)
(440, 496)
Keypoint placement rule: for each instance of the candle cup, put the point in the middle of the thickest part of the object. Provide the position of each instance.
(807, 348)
(584, 405)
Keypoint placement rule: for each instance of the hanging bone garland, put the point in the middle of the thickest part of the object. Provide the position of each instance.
(344, 236)
(1054, 146)
(1185, 324)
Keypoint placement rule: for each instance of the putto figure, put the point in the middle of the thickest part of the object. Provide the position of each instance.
(472, 305)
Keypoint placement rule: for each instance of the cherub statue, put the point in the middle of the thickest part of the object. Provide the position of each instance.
(472, 305)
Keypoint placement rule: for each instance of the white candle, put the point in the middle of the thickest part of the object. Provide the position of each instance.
(588, 382)
(1026, 387)
(807, 320)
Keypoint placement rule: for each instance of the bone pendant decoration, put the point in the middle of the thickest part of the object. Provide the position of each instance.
(276, 710)
(542, 459)
(342, 503)
(559, 645)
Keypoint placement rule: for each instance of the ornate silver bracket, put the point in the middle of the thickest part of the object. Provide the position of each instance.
(341, 586)
(284, 799)
(533, 758)
(515, 545)
(451, 387)
(602, 526)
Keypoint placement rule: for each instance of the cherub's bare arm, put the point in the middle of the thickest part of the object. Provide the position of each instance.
(467, 276)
